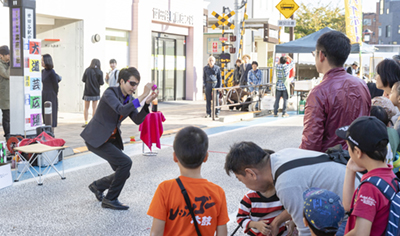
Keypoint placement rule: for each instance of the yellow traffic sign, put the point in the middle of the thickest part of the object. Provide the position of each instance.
(223, 20)
(287, 7)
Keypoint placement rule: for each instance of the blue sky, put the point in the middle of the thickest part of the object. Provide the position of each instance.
(368, 5)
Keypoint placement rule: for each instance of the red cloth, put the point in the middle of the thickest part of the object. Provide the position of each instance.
(371, 204)
(151, 129)
(43, 138)
(292, 71)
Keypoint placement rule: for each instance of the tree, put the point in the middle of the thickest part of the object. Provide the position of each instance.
(311, 19)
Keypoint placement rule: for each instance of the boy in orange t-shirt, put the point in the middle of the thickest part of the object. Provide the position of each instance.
(168, 207)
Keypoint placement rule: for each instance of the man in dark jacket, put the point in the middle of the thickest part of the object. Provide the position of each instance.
(338, 100)
(103, 135)
(211, 79)
(244, 69)
(352, 70)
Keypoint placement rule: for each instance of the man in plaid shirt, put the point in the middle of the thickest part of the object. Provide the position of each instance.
(282, 85)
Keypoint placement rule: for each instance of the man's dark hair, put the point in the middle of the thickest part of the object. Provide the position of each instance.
(254, 63)
(317, 231)
(396, 58)
(113, 61)
(389, 71)
(380, 113)
(380, 150)
(48, 62)
(335, 46)
(95, 64)
(126, 73)
(191, 146)
(245, 155)
(283, 60)
(4, 50)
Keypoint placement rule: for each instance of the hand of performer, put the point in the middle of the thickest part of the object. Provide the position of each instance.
(262, 227)
(152, 96)
(147, 89)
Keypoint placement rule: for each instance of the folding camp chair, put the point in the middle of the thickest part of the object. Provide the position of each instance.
(36, 150)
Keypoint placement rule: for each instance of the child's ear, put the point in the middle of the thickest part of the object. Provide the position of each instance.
(175, 158)
(206, 158)
(250, 172)
(357, 152)
(305, 222)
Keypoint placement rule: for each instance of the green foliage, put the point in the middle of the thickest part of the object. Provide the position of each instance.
(310, 19)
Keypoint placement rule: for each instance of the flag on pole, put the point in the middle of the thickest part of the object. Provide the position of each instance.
(353, 14)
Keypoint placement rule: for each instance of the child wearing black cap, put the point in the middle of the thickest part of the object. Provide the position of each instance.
(367, 139)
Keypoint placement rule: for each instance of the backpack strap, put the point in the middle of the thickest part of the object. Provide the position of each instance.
(386, 189)
(188, 204)
(305, 162)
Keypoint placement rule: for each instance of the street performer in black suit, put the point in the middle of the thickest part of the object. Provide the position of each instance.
(103, 135)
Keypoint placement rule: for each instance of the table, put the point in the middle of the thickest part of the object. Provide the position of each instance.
(35, 150)
(151, 130)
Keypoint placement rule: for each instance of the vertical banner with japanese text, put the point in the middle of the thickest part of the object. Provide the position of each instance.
(32, 83)
(353, 14)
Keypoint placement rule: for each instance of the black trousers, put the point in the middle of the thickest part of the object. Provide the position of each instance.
(209, 87)
(119, 162)
(6, 122)
(284, 95)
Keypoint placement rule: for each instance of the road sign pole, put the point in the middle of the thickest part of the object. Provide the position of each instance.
(223, 51)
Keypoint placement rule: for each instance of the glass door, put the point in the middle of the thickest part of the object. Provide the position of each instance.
(169, 69)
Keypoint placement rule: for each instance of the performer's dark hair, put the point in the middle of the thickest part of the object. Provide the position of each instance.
(48, 61)
(95, 64)
(190, 146)
(126, 73)
(113, 61)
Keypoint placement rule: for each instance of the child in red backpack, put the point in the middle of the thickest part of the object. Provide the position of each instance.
(367, 139)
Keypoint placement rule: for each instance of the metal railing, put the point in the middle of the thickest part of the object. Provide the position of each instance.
(262, 89)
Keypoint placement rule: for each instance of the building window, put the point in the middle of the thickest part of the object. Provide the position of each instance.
(374, 19)
(380, 31)
(387, 11)
(388, 29)
(395, 42)
(398, 31)
(367, 21)
(381, 7)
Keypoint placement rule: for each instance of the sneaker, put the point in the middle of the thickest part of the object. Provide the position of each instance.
(275, 115)
(285, 115)
(208, 116)
(84, 125)
(216, 116)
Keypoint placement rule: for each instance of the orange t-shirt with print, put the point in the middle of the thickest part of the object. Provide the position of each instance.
(208, 201)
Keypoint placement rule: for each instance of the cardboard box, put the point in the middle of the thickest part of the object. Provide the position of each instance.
(304, 85)
(5, 175)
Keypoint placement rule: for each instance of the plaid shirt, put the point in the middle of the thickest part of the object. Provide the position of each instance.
(279, 69)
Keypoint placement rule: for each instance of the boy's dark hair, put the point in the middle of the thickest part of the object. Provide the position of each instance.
(238, 60)
(246, 155)
(48, 61)
(317, 231)
(380, 150)
(4, 50)
(283, 60)
(335, 46)
(126, 73)
(191, 146)
(380, 113)
(254, 63)
(95, 64)
(113, 61)
(389, 71)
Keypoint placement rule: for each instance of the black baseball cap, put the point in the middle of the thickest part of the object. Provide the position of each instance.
(365, 132)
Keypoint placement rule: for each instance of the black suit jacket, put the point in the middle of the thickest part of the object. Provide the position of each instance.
(107, 117)
(244, 72)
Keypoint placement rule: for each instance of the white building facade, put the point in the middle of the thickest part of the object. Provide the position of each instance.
(162, 39)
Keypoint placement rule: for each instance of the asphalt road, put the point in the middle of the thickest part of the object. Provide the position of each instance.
(67, 207)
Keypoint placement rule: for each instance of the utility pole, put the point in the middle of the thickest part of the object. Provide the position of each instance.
(237, 29)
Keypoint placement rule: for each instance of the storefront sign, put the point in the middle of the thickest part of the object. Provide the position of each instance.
(172, 17)
(16, 37)
(33, 84)
(29, 23)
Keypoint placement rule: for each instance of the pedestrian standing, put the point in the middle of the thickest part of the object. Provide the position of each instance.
(254, 77)
(5, 89)
(93, 79)
(337, 100)
(236, 72)
(352, 70)
(50, 87)
(211, 79)
(103, 135)
(244, 69)
(283, 84)
(112, 76)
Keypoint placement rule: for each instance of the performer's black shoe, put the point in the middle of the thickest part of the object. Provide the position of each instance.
(115, 204)
(99, 194)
